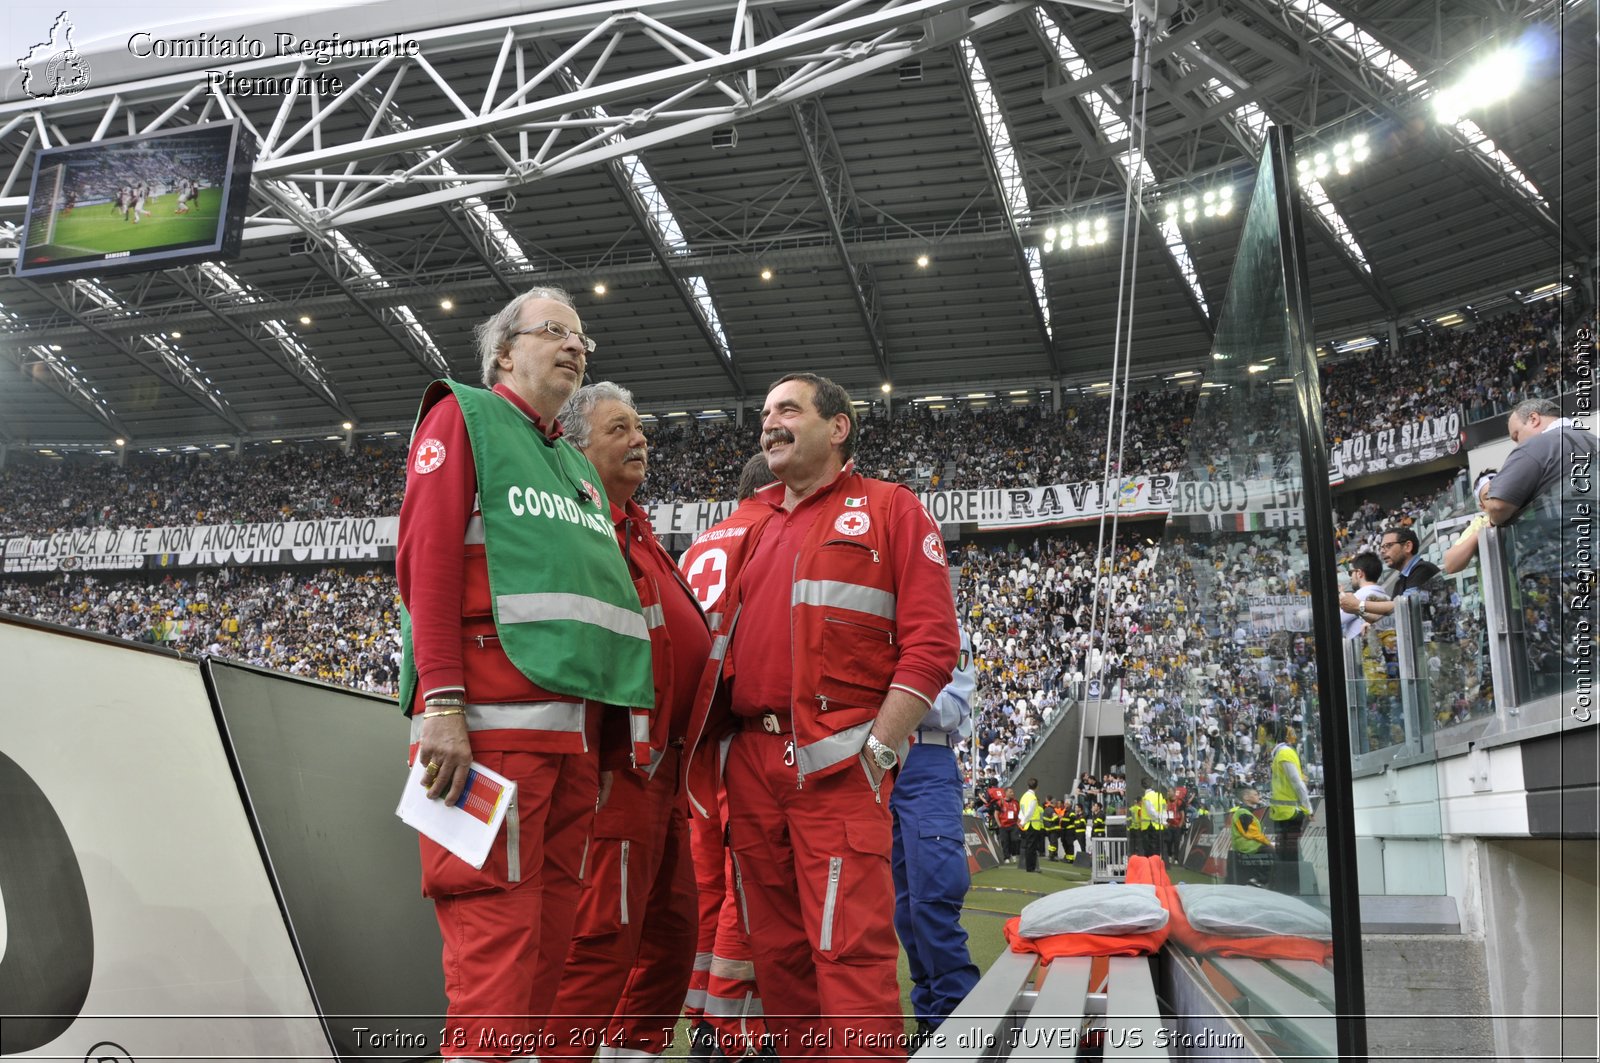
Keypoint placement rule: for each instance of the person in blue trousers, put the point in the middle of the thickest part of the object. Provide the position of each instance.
(931, 875)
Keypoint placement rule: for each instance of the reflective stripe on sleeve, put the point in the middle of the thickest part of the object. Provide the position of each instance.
(826, 752)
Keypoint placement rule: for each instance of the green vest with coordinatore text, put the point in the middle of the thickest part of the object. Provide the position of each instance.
(564, 604)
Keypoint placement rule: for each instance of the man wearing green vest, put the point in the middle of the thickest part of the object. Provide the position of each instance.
(520, 627)
(1030, 818)
(1290, 805)
(1249, 847)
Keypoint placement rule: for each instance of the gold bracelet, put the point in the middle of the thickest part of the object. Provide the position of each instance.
(445, 712)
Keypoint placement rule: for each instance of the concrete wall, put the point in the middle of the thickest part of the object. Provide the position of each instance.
(1541, 925)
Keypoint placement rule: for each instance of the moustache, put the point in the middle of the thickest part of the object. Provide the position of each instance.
(635, 454)
(776, 435)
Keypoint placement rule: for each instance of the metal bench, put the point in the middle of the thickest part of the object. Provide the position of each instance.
(1003, 1019)
(1292, 998)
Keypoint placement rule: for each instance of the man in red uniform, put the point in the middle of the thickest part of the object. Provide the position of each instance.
(633, 946)
(723, 1006)
(838, 631)
(1006, 819)
(519, 623)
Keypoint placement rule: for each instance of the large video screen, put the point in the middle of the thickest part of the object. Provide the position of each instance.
(140, 202)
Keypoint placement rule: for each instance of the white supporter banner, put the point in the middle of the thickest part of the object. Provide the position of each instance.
(1412, 443)
(281, 542)
(1277, 502)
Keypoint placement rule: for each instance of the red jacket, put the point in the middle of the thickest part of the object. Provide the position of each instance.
(1007, 814)
(871, 610)
(672, 648)
(705, 565)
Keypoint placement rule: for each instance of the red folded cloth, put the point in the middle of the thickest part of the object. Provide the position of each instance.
(1282, 947)
(1048, 948)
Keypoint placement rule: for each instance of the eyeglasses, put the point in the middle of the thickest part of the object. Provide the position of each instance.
(559, 331)
(1387, 546)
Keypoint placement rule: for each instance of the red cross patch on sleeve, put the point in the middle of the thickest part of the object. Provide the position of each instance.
(430, 456)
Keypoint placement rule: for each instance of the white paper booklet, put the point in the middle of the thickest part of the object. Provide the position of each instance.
(467, 827)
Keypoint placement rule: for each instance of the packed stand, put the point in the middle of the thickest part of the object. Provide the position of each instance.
(339, 625)
(292, 482)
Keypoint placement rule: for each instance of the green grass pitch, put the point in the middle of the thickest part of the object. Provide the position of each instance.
(99, 229)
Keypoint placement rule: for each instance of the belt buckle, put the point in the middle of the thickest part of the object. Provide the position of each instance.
(770, 724)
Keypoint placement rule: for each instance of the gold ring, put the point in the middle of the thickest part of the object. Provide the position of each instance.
(432, 767)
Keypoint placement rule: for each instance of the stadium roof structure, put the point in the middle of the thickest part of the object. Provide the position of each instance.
(879, 190)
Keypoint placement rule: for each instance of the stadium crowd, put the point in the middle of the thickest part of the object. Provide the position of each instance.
(339, 625)
(1499, 361)
(1187, 644)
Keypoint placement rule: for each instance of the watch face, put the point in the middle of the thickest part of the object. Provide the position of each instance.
(886, 757)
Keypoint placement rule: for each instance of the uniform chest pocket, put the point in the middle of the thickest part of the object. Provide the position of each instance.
(857, 663)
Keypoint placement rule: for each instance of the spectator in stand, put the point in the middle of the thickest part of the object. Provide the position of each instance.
(1553, 458)
(1465, 548)
(1365, 568)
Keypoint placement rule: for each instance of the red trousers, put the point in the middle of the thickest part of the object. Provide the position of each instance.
(723, 988)
(634, 940)
(705, 845)
(818, 894)
(506, 927)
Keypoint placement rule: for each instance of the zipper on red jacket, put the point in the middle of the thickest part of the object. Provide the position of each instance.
(799, 772)
(858, 546)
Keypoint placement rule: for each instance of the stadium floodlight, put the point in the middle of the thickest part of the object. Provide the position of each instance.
(766, 274)
(600, 288)
(1341, 158)
(1085, 232)
(1490, 81)
(305, 319)
(922, 261)
(886, 387)
(447, 303)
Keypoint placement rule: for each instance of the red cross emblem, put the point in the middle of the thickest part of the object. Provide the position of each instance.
(708, 576)
(430, 455)
(852, 523)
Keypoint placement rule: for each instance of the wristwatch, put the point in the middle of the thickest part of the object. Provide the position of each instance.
(881, 754)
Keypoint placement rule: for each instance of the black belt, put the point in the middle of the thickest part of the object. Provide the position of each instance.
(771, 723)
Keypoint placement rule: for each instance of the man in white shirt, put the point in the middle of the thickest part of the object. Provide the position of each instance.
(1365, 568)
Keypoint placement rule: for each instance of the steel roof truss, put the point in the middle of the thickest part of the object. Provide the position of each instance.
(1024, 261)
(832, 178)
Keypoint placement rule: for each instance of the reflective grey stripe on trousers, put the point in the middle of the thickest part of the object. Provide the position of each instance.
(745, 1007)
(654, 616)
(851, 596)
(529, 608)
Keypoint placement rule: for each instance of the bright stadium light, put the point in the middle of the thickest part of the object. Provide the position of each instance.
(1341, 158)
(1085, 232)
(1490, 81)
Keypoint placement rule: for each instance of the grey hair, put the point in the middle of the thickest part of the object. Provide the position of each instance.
(574, 415)
(1542, 407)
(494, 334)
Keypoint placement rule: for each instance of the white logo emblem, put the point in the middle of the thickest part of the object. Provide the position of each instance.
(933, 546)
(430, 455)
(708, 576)
(54, 68)
(852, 524)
